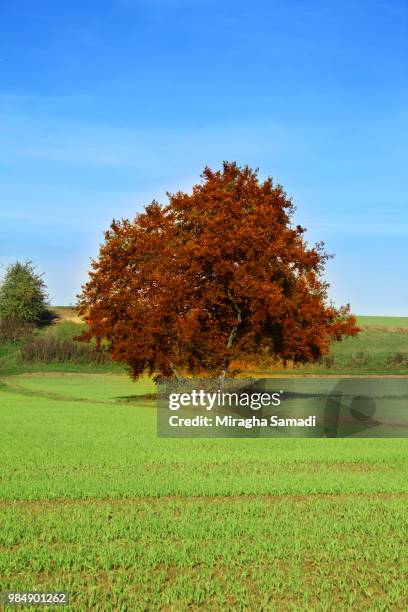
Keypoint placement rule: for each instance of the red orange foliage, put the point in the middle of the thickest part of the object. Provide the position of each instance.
(215, 276)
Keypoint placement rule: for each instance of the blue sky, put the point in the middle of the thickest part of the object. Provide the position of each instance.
(105, 105)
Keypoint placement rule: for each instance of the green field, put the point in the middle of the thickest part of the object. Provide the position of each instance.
(380, 348)
(92, 502)
(383, 321)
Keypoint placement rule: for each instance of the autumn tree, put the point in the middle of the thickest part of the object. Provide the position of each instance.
(213, 277)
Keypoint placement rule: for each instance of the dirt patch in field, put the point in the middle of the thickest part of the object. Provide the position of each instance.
(338, 466)
(270, 375)
(356, 467)
(309, 467)
(396, 329)
(62, 374)
(191, 499)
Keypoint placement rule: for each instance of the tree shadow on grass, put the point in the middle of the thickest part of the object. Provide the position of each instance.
(48, 317)
(134, 398)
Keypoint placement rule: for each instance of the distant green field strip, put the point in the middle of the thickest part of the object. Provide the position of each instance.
(383, 321)
(316, 554)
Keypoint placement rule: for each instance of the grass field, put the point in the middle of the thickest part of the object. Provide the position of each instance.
(92, 502)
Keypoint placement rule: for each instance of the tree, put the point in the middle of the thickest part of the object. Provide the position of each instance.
(213, 277)
(23, 295)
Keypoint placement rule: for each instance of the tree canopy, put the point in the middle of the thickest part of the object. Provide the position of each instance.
(213, 277)
(23, 296)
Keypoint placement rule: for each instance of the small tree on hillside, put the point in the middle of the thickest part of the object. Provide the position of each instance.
(215, 276)
(23, 295)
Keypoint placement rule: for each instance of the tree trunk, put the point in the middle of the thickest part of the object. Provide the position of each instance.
(231, 338)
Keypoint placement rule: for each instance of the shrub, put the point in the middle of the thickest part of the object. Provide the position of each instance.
(360, 358)
(397, 359)
(50, 349)
(15, 330)
(23, 295)
(328, 361)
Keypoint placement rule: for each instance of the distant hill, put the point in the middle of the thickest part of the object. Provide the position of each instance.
(66, 313)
